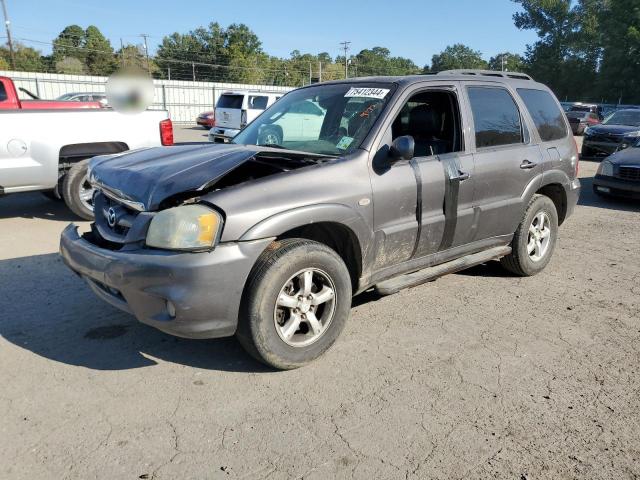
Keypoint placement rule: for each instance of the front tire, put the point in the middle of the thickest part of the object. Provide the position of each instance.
(77, 192)
(534, 240)
(296, 302)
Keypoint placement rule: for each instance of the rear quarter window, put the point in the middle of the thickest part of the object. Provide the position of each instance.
(258, 103)
(496, 117)
(545, 113)
(230, 101)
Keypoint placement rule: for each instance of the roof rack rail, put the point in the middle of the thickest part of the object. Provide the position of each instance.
(487, 73)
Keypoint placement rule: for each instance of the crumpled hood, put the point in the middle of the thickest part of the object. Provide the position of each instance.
(628, 156)
(148, 176)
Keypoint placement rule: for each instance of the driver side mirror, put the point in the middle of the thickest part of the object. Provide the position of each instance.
(402, 148)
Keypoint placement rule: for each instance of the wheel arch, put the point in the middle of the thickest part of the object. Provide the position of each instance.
(75, 152)
(337, 226)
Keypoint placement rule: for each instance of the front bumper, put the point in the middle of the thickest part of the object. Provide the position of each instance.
(204, 289)
(222, 135)
(616, 186)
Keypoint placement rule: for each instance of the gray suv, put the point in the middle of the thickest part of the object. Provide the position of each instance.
(400, 181)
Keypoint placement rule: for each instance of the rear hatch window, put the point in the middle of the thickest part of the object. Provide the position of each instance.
(230, 101)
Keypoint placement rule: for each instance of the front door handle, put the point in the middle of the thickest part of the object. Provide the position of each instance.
(525, 165)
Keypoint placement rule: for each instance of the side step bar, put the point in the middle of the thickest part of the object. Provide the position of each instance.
(394, 285)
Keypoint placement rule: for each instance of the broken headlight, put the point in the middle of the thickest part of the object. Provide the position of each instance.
(189, 227)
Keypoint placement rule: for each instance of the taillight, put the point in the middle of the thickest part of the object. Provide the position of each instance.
(166, 132)
(243, 119)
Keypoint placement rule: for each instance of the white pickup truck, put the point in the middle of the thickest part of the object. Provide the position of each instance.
(48, 150)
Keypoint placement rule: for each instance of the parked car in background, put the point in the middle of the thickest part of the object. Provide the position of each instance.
(235, 110)
(619, 174)
(618, 131)
(206, 119)
(53, 159)
(587, 108)
(84, 97)
(406, 179)
(579, 121)
(9, 100)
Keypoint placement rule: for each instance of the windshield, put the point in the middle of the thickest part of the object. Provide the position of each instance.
(625, 117)
(325, 119)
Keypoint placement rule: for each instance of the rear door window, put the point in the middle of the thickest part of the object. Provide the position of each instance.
(545, 113)
(495, 116)
(3, 93)
(230, 101)
(258, 103)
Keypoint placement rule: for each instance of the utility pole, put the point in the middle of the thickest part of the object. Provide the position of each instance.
(121, 53)
(193, 71)
(320, 71)
(345, 47)
(146, 51)
(7, 24)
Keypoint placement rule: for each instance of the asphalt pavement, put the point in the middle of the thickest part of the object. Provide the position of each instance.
(476, 375)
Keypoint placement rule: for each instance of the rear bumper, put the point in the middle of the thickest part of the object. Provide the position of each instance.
(205, 289)
(222, 135)
(616, 186)
(598, 150)
(205, 122)
(573, 194)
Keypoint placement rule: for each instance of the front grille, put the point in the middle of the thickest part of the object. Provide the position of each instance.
(629, 173)
(117, 224)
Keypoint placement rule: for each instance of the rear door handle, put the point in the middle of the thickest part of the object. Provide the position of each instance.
(462, 176)
(525, 165)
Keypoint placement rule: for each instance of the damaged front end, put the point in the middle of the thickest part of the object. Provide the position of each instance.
(132, 190)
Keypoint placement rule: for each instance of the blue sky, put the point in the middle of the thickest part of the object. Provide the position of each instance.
(412, 28)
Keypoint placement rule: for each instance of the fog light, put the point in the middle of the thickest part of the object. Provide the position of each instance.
(171, 309)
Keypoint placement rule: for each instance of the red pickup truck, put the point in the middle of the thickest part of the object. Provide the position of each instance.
(9, 100)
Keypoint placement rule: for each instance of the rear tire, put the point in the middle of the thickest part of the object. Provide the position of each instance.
(534, 240)
(75, 191)
(285, 320)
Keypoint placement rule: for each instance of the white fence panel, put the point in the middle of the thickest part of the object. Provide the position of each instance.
(183, 99)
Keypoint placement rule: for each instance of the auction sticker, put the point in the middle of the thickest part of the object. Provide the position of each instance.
(379, 93)
(344, 143)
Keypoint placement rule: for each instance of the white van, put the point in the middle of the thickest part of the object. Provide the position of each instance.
(236, 109)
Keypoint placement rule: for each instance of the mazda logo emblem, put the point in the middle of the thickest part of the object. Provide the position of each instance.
(111, 217)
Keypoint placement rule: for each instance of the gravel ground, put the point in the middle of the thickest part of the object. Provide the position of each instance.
(477, 375)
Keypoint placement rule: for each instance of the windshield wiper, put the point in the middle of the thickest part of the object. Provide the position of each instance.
(273, 145)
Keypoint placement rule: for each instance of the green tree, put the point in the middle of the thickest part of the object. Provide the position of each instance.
(27, 59)
(512, 62)
(69, 43)
(567, 52)
(378, 61)
(456, 57)
(4, 64)
(70, 66)
(620, 72)
(99, 55)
